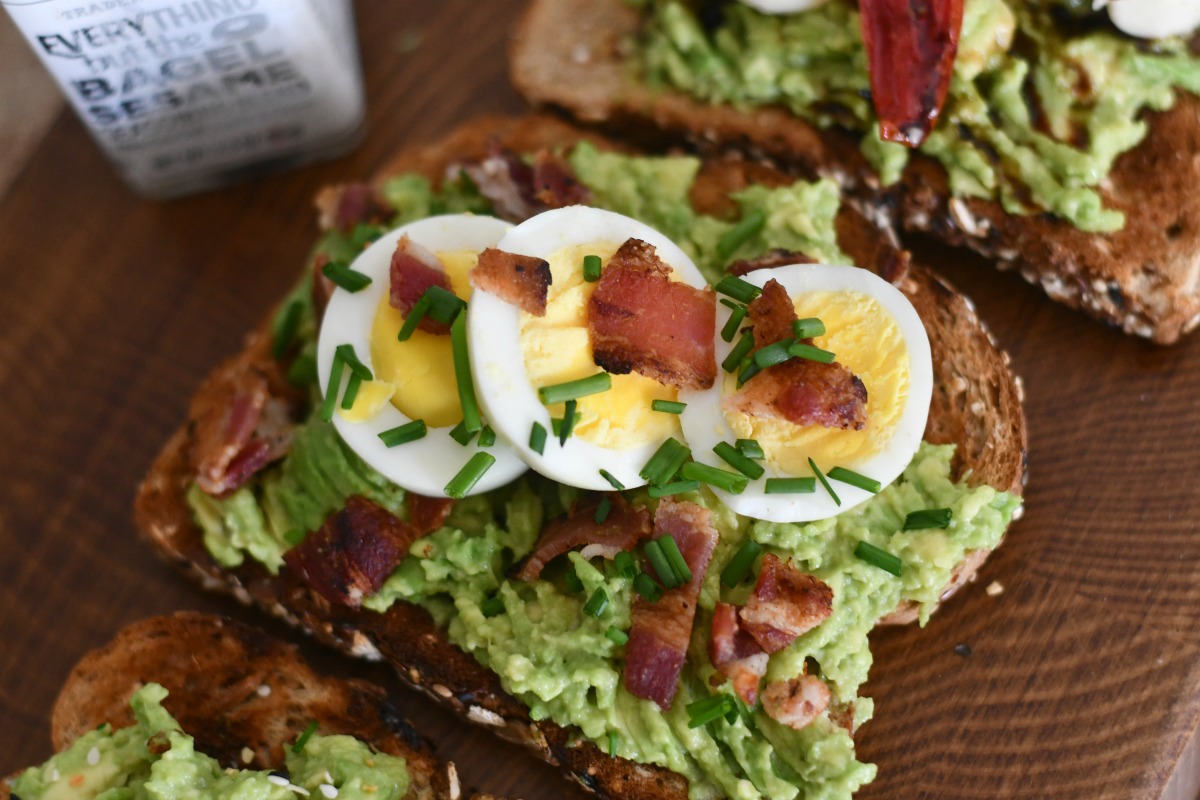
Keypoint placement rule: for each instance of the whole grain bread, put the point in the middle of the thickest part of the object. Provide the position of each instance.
(574, 55)
(976, 405)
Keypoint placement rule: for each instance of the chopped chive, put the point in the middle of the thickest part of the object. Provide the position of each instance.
(668, 406)
(350, 359)
(591, 268)
(572, 581)
(568, 422)
(364, 233)
(729, 454)
(596, 604)
(738, 353)
(295, 536)
(303, 370)
(419, 310)
(748, 371)
(335, 385)
(573, 390)
(612, 744)
(790, 486)
(729, 330)
(742, 562)
(854, 479)
(403, 434)
(348, 279)
(671, 550)
(462, 374)
(625, 564)
(738, 289)
(304, 737)
(673, 488)
(444, 305)
(928, 518)
(750, 448)
(602, 511)
(704, 711)
(460, 434)
(878, 557)
(616, 635)
(612, 481)
(808, 327)
(774, 353)
(750, 224)
(537, 438)
(487, 437)
(287, 322)
(662, 567)
(732, 482)
(351, 393)
(647, 588)
(821, 477)
(493, 606)
(469, 475)
(666, 461)
(801, 350)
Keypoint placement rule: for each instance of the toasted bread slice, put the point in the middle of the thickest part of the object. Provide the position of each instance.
(976, 406)
(1145, 279)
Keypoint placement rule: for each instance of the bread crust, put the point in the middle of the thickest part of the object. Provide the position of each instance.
(1144, 279)
(976, 406)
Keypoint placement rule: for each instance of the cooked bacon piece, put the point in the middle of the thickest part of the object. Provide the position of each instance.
(427, 514)
(522, 281)
(736, 654)
(786, 603)
(622, 529)
(799, 390)
(239, 433)
(769, 260)
(414, 269)
(554, 184)
(353, 553)
(344, 206)
(910, 46)
(642, 321)
(796, 702)
(517, 190)
(660, 632)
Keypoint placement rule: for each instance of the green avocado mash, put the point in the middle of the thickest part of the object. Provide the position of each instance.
(558, 660)
(1038, 109)
(119, 764)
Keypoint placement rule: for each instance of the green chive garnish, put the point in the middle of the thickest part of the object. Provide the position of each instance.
(612, 743)
(750, 224)
(625, 564)
(419, 310)
(596, 604)
(732, 482)
(462, 373)
(750, 448)
(617, 636)
(772, 354)
(612, 481)
(729, 454)
(364, 233)
(591, 268)
(573, 390)
(854, 479)
(284, 329)
(304, 737)
(671, 550)
(460, 434)
(350, 359)
(335, 385)
(878, 557)
(469, 475)
(749, 370)
(568, 422)
(572, 581)
(729, 330)
(644, 585)
(662, 567)
(444, 305)
(808, 327)
(492, 607)
(351, 394)
(537, 438)
(665, 462)
(740, 565)
(821, 477)
(487, 437)
(673, 488)
(790, 485)
(739, 352)
(602, 511)
(668, 406)
(801, 350)
(928, 518)
(704, 711)
(348, 279)
(403, 434)
(738, 289)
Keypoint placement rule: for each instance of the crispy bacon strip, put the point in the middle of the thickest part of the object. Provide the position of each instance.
(786, 603)
(353, 552)
(517, 190)
(522, 281)
(239, 433)
(622, 529)
(345, 205)
(796, 702)
(660, 632)
(414, 269)
(642, 321)
(911, 46)
(736, 654)
(800, 391)
(769, 260)
(427, 514)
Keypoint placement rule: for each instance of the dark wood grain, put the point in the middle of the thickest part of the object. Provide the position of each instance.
(1083, 679)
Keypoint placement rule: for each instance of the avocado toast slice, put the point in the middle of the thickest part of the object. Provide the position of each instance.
(1141, 275)
(976, 410)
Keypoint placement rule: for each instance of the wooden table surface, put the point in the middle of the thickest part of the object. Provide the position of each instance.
(1084, 675)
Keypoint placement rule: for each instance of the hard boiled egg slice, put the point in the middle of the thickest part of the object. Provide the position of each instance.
(514, 353)
(874, 331)
(1155, 19)
(784, 6)
(413, 379)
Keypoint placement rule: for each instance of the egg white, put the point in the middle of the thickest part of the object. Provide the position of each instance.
(426, 465)
(1154, 19)
(493, 329)
(705, 424)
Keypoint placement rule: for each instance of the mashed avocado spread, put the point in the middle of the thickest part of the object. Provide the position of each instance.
(535, 636)
(154, 760)
(1040, 104)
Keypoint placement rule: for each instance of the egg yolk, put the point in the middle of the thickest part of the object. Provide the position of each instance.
(420, 368)
(866, 339)
(557, 348)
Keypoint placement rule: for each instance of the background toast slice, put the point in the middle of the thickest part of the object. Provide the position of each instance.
(976, 406)
(1145, 279)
